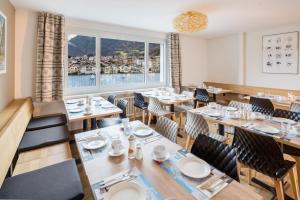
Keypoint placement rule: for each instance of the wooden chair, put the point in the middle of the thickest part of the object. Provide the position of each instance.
(140, 103)
(155, 109)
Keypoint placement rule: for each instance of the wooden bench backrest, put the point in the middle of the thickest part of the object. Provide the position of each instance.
(13, 122)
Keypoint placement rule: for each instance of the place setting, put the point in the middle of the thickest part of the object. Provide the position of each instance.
(129, 184)
(195, 175)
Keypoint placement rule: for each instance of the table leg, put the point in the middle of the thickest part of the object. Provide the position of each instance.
(297, 159)
(214, 97)
(221, 129)
(93, 123)
(85, 125)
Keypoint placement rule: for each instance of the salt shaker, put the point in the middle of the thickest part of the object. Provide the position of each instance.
(131, 148)
(139, 152)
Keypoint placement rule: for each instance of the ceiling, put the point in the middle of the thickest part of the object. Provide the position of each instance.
(224, 16)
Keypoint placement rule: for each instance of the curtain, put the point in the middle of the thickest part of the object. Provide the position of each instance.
(50, 57)
(174, 58)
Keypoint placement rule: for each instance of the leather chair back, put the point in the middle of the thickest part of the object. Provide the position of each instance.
(287, 114)
(201, 95)
(111, 98)
(122, 104)
(262, 105)
(139, 100)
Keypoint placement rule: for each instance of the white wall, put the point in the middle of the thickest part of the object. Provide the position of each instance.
(7, 79)
(193, 60)
(25, 52)
(225, 59)
(254, 75)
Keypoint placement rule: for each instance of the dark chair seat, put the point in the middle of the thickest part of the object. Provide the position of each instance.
(59, 181)
(102, 123)
(293, 151)
(43, 137)
(142, 106)
(46, 122)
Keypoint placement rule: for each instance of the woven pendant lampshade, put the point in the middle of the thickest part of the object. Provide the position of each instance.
(190, 21)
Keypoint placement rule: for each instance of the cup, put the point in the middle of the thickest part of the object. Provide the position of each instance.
(81, 102)
(116, 145)
(125, 122)
(160, 151)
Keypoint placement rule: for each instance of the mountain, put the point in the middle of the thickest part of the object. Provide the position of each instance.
(83, 45)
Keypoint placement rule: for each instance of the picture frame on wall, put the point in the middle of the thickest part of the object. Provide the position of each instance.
(281, 53)
(3, 39)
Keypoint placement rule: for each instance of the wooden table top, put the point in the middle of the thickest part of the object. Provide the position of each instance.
(104, 166)
(294, 142)
(168, 98)
(97, 110)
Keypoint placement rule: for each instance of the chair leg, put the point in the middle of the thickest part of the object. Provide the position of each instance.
(295, 186)
(149, 118)
(180, 119)
(297, 159)
(134, 113)
(143, 116)
(249, 175)
(187, 143)
(279, 189)
(174, 117)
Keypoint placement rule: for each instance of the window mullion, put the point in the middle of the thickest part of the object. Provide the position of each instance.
(146, 62)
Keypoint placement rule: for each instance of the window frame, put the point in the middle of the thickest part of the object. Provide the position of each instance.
(118, 36)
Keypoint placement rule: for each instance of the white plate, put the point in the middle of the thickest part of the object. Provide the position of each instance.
(126, 191)
(193, 167)
(213, 114)
(280, 120)
(111, 153)
(166, 98)
(95, 142)
(107, 106)
(142, 131)
(267, 129)
(159, 159)
(76, 110)
(72, 101)
(229, 108)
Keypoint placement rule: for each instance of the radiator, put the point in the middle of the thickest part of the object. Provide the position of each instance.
(130, 106)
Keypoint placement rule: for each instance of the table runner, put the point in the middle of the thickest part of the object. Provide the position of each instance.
(152, 193)
(189, 184)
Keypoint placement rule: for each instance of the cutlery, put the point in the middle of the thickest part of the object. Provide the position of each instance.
(116, 176)
(219, 185)
(152, 139)
(124, 178)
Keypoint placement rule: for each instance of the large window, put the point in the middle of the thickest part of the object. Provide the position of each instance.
(103, 63)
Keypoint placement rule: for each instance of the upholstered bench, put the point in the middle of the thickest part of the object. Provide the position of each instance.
(43, 137)
(59, 181)
(42, 122)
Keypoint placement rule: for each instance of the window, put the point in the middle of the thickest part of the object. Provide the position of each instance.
(81, 61)
(97, 63)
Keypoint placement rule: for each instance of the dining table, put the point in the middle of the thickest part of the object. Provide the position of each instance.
(99, 108)
(263, 124)
(157, 178)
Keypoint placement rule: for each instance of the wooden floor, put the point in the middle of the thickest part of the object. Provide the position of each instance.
(181, 141)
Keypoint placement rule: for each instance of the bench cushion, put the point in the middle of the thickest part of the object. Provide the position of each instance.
(46, 122)
(59, 181)
(43, 137)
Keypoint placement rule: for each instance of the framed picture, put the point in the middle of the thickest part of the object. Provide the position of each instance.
(281, 53)
(3, 37)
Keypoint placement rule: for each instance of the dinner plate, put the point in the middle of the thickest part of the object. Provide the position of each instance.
(126, 191)
(283, 120)
(267, 129)
(142, 131)
(229, 108)
(166, 98)
(76, 110)
(107, 106)
(95, 142)
(213, 114)
(72, 101)
(193, 167)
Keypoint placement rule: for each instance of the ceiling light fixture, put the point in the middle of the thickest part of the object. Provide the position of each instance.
(190, 21)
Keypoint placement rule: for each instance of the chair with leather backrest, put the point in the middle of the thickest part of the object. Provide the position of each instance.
(196, 124)
(201, 96)
(221, 156)
(139, 102)
(262, 105)
(263, 154)
(292, 151)
(105, 122)
(167, 128)
(155, 109)
(111, 98)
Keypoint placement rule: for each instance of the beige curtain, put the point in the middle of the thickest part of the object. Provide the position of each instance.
(174, 58)
(50, 57)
